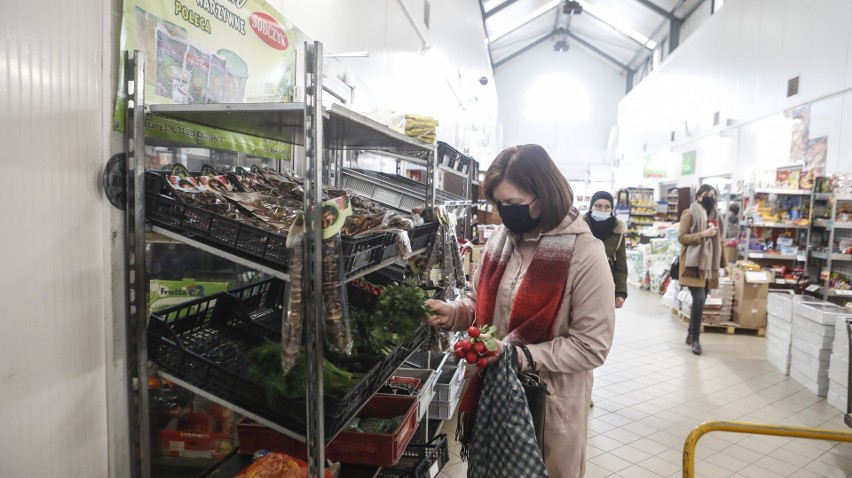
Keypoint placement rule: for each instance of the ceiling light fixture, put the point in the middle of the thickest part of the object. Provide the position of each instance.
(572, 8)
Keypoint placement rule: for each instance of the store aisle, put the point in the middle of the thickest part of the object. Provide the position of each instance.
(652, 392)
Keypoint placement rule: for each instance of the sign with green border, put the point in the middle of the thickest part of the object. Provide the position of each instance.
(654, 168)
(687, 164)
(208, 51)
(193, 135)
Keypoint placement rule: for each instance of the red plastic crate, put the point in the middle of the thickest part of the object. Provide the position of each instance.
(359, 448)
(253, 437)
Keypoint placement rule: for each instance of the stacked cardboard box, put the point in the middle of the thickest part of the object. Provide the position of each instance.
(726, 293)
(779, 330)
(712, 313)
(751, 289)
(813, 337)
(779, 327)
(718, 305)
(838, 369)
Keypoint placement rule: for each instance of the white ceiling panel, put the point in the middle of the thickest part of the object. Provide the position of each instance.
(604, 38)
(515, 15)
(522, 37)
(629, 12)
(625, 30)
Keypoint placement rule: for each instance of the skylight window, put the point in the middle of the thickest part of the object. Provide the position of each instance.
(618, 23)
(605, 15)
(525, 19)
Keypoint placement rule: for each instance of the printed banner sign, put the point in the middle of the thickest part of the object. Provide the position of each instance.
(173, 131)
(209, 51)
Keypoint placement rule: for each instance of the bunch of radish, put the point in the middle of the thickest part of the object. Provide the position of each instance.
(477, 346)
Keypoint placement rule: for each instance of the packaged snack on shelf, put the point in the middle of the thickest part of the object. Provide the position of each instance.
(422, 128)
(218, 184)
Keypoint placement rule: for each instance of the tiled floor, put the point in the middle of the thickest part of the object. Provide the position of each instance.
(652, 392)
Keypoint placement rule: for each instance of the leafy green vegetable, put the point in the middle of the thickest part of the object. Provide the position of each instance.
(397, 316)
(264, 367)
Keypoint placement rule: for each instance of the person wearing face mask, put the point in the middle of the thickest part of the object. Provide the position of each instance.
(702, 255)
(545, 283)
(609, 229)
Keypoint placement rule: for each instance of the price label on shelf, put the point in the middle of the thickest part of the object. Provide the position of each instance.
(843, 292)
(812, 288)
(756, 255)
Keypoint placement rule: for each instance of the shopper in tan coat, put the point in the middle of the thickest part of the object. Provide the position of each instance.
(702, 255)
(543, 237)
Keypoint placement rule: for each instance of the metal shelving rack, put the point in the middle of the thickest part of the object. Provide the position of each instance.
(800, 259)
(305, 123)
(832, 261)
(402, 193)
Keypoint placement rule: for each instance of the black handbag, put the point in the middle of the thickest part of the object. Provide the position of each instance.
(674, 271)
(536, 392)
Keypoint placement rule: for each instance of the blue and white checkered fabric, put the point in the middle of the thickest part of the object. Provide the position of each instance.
(504, 444)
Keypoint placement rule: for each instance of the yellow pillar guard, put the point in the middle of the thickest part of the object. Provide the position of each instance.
(754, 429)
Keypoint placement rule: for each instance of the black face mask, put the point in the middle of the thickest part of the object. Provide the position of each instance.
(708, 202)
(517, 218)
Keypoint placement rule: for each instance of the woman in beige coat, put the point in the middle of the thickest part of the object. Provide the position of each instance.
(702, 255)
(545, 282)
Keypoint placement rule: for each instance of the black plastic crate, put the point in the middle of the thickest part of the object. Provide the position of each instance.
(419, 237)
(363, 252)
(263, 302)
(165, 209)
(360, 298)
(453, 158)
(447, 155)
(204, 341)
(420, 460)
(423, 235)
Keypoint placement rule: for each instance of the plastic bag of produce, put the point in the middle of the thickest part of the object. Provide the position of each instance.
(278, 465)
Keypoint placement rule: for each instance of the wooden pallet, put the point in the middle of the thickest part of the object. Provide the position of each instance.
(729, 328)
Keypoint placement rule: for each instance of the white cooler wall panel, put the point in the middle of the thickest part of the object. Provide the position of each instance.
(572, 145)
(52, 345)
(738, 64)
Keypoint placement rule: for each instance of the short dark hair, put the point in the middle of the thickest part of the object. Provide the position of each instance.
(530, 168)
(705, 188)
(734, 208)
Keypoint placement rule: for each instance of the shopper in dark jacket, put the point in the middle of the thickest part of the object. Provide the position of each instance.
(609, 229)
(732, 229)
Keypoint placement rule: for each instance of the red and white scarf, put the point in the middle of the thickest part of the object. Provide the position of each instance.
(534, 309)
